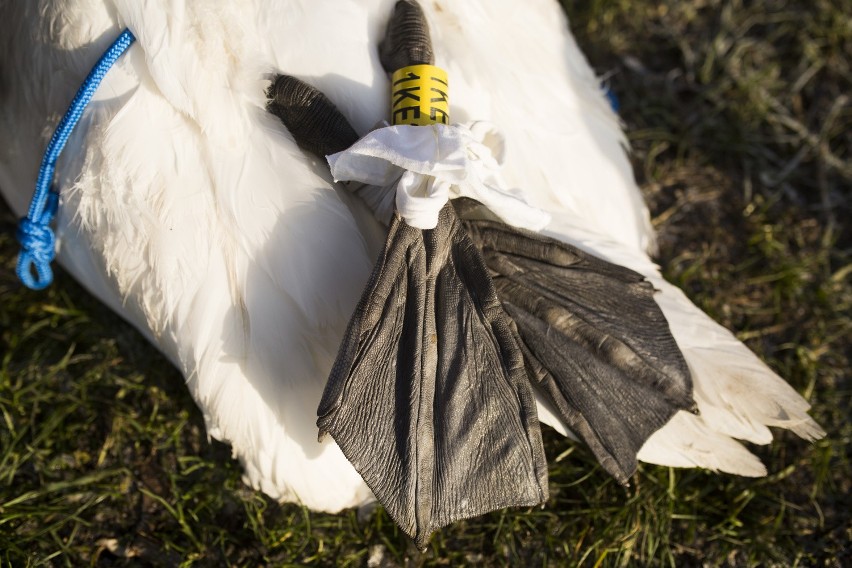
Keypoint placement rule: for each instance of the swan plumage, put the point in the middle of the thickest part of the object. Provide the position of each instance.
(190, 211)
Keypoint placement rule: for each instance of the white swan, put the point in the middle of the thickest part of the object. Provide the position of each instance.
(189, 210)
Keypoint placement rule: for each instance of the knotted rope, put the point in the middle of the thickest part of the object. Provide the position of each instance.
(38, 241)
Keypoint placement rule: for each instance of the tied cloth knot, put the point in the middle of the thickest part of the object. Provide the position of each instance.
(418, 169)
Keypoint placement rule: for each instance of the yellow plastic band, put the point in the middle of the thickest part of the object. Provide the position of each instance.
(420, 96)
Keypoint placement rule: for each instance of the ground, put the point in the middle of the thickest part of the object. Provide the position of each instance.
(739, 118)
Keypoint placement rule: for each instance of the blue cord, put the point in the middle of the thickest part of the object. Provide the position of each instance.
(612, 98)
(38, 242)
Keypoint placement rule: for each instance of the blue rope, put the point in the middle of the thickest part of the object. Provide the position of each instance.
(38, 242)
(612, 98)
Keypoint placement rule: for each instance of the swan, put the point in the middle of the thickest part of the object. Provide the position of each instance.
(190, 211)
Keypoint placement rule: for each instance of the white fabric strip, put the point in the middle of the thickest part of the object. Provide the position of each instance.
(424, 166)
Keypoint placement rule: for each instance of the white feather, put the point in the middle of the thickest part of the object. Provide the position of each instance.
(191, 212)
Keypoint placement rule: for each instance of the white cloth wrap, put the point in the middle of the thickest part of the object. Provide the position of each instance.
(424, 166)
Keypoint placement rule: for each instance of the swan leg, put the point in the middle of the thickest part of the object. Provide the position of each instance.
(313, 120)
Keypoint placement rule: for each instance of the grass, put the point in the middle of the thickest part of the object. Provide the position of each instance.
(740, 122)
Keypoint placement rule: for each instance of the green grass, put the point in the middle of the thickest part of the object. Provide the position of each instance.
(740, 122)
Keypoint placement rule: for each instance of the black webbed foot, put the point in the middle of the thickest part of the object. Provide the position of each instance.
(595, 341)
(429, 398)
